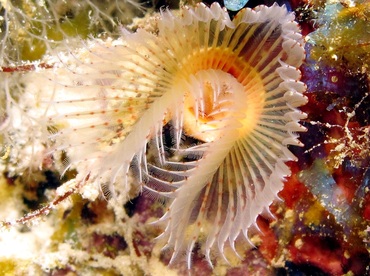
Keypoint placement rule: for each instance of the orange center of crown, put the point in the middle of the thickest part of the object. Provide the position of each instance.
(197, 121)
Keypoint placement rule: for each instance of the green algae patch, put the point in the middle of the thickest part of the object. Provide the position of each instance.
(48, 35)
(70, 222)
(8, 267)
(11, 266)
(344, 35)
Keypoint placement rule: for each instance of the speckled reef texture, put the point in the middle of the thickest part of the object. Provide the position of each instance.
(322, 223)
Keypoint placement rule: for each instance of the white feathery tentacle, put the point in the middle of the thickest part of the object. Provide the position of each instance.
(202, 113)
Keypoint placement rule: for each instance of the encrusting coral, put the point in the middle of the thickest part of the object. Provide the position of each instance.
(201, 113)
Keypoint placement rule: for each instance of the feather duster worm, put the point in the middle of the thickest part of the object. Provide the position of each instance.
(202, 112)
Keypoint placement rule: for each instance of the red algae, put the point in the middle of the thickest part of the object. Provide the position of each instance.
(318, 252)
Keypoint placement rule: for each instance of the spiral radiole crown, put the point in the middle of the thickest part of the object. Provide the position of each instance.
(200, 112)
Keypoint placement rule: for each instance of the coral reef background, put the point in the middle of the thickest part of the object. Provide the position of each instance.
(321, 226)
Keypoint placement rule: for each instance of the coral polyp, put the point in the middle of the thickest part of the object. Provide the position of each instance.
(201, 113)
